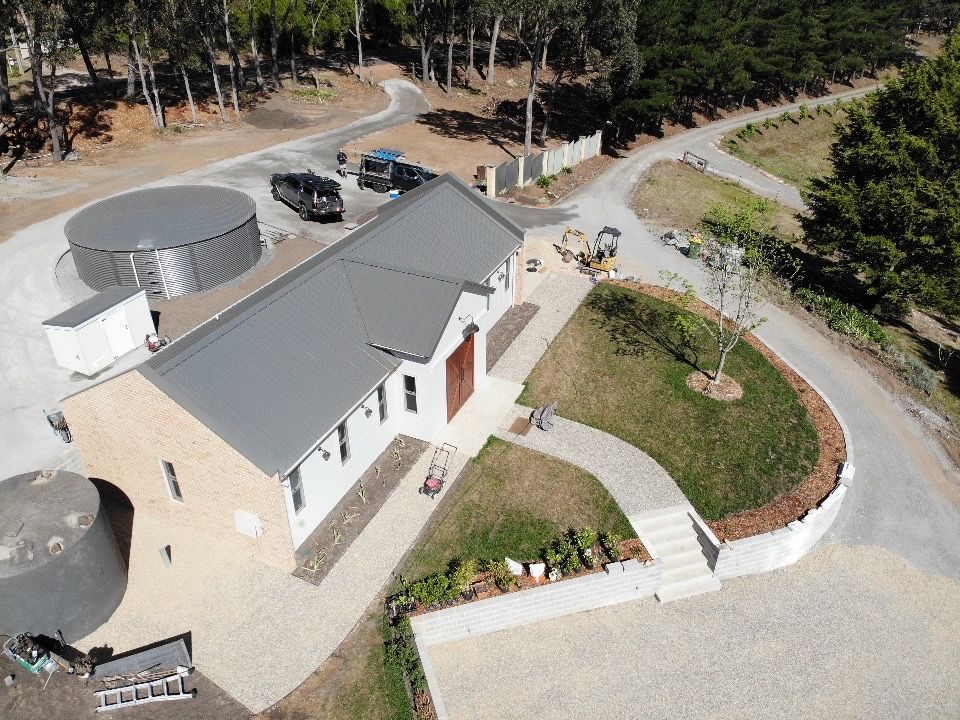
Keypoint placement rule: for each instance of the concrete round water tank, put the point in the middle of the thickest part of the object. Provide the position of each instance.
(60, 568)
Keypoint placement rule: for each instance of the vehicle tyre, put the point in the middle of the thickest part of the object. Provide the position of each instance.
(360, 183)
(275, 192)
(303, 212)
(339, 217)
(380, 188)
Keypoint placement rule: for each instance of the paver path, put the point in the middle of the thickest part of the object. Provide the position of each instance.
(635, 480)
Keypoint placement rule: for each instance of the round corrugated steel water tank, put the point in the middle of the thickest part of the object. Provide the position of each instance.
(168, 240)
(60, 568)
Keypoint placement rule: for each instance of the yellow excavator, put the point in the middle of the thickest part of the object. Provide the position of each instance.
(601, 258)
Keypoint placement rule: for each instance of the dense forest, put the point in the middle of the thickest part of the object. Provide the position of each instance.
(644, 61)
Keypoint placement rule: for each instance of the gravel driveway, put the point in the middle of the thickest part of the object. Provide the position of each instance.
(843, 634)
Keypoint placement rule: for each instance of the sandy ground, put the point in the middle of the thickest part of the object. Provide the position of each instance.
(838, 635)
(29, 195)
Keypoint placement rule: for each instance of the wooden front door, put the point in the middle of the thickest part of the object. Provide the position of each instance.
(459, 377)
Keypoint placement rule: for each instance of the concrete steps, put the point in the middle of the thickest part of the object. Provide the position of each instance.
(671, 536)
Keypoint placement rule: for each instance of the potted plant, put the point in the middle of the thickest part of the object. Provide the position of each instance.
(500, 574)
(584, 540)
(462, 575)
(611, 545)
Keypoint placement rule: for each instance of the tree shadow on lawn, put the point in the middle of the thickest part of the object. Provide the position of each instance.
(637, 329)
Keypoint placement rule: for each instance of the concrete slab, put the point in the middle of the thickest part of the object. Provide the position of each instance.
(481, 415)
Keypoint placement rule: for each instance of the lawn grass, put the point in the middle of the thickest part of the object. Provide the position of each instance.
(674, 194)
(616, 366)
(513, 503)
(794, 151)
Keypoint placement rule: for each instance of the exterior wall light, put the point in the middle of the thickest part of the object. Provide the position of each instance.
(325, 453)
(471, 326)
(366, 411)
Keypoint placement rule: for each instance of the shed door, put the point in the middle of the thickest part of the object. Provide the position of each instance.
(459, 377)
(118, 333)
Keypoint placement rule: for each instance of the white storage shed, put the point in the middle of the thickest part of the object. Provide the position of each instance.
(88, 337)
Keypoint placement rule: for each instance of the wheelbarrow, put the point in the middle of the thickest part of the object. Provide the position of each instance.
(437, 473)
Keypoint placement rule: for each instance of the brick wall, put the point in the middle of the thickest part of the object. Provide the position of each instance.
(619, 583)
(125, 426)
(520, 275)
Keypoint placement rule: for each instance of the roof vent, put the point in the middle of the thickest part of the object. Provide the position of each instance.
(85, 520)
(44, 476)
(56, 548)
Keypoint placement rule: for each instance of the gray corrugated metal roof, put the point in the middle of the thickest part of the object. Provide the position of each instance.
(402, 310)
(157, 218)
(274, 373)
(442, 227)
(91, 307)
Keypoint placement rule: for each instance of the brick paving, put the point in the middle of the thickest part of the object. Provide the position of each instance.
(501, 335)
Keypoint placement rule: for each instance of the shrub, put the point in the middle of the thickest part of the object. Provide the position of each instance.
(312, 94)
(911, 369)
(434, 590)
(611, 545)
(567, 170)
(842, 317)
(563, 555)
(401, 654)
(544, 182)
(585, 538)
(499, 572)
(463, 574)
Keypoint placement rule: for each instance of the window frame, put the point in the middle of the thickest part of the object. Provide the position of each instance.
(382, 408)
(408, 394)
(296, 488)
(343, 441)
(173, 485)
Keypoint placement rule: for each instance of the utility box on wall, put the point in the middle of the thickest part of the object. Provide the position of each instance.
(88, 337)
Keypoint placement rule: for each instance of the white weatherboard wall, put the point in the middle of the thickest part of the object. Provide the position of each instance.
(325, 482)
(94, 344)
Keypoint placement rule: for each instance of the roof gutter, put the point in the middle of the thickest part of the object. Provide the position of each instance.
(353, 409)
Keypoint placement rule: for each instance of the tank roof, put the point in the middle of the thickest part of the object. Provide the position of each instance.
(43, 514)
(160, 217)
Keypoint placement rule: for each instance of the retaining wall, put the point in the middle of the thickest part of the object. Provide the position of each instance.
(619, 582)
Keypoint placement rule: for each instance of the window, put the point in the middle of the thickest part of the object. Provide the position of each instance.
(344, 441)
(382, 402)
(410, 392)
(172, 483)
(296, 491)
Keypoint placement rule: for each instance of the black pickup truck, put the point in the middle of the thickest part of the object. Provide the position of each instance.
(385, 169)
(312, 196)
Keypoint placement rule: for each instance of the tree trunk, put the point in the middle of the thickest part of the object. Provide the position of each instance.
(426, 50)
(186, 86)
(519, 45)
(131, 73)
(532, 91)
(236, 67)
(161, 120)
(5, 104)
(16, 51)
(261, 83)
(450, 40)
(543, 58)
(275, 69)
(36, 64)
(143, 82)
(471, 31)
(293, 56)
(91, 71)
(356, 19)
(212, 57)
(491, 61)
(52, 118)
(548, 106)
(724, 351)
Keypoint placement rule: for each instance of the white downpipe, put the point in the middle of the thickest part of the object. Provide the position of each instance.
(136, 277)
(162, 277)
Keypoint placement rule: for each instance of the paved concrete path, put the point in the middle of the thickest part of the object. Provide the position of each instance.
(558, 295)
(846, 633)
(30, 379)
(635, 480)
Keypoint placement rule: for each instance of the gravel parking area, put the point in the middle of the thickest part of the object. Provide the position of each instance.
(849, 632)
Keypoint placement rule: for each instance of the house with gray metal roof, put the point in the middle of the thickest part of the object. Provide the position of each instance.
(264, 416)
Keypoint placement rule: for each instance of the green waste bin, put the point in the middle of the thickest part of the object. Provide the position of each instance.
(696, 245)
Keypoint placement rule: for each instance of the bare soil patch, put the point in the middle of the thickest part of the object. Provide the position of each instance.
(727, 390)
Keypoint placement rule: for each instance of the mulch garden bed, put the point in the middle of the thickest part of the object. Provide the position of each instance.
(822, 480)
(342, 525)
(563, 185)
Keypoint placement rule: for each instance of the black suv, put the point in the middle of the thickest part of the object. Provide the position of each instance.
(313, 196)
(384, 169)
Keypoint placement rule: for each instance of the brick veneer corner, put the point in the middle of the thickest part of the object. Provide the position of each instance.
(125, 426)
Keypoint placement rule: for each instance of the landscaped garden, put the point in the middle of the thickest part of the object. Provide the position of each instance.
(513, 502)
(621, 364)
